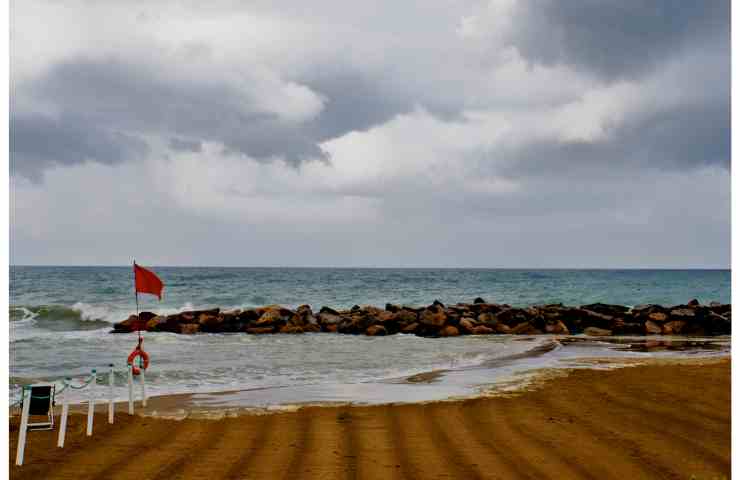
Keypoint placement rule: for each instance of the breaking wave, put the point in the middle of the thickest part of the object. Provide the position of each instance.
(61, 318)
(80, 316)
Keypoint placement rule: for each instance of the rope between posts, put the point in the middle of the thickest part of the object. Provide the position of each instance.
(80, 387)
(66, 384)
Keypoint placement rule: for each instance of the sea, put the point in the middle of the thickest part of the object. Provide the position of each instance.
(61, 318)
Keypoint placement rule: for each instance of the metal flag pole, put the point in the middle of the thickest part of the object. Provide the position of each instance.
(136, 296)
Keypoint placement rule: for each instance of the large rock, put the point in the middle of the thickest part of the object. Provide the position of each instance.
(595, 319)
(126, 325)
(557, 328)
(467, 325)
(153, 325)
(657, 317)
(326, 318)
(269, 318)
(193, 316)
(376, 331)
(449, 331)
(673, 327)
(189, 328)
(385, 317)
(488, 319)
(303, 316)
(146, 316)
(131, 324)
(249, 315)
(597, 332)
(433, 318)
(392, 308)
(356, 323)
(501, 328)
(512, 316)
(483, 330)
(652, 328)
(406, 317)
(311, 328)
(525, 328)
(410, 328)
(717, 324)
(628, 328)
(210, 323)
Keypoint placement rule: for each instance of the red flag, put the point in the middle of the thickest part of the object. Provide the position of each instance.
(147, 282)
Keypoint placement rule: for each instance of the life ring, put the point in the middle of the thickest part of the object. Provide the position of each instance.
(138, 352)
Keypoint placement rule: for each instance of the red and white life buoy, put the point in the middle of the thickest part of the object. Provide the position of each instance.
(138, 352)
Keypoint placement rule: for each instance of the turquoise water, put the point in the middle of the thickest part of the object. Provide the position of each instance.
(61, 316)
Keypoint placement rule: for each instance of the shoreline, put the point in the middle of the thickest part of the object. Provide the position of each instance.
(419, 388)
(667, 417)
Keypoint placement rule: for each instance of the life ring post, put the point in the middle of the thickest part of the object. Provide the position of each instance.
(143, 387)
(130, 390)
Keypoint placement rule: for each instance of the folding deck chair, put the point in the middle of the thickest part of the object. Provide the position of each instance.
(42, 404)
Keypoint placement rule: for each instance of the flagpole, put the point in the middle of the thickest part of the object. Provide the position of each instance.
(136, 296)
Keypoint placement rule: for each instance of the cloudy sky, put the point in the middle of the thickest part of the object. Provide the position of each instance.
(493, 133)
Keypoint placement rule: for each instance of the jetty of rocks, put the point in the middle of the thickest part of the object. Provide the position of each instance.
(439, 320)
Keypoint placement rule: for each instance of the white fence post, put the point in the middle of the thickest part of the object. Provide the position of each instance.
(110, 392)
(63, 422)
(91, 404)
(143, 386)
(24, 426)
(130, 391)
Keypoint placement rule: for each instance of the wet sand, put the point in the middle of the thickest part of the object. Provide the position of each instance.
(652, 421)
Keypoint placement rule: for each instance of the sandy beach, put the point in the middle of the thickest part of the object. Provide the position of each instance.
(650, 421)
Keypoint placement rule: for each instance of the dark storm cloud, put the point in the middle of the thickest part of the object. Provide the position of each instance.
(616, 39)
(355, 101)
(682, 138)
(122, 96)
(38, 142)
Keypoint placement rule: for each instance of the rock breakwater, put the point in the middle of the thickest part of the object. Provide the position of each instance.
(439, 320)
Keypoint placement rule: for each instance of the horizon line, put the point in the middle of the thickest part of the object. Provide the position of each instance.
(307, 267)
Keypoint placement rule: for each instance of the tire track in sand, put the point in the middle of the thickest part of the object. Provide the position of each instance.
(431, 453)
(491, 431)
(122, 448)
(682, 432)
(177, 467)
(259, 442)
(175, 449)
(603, 432)
(369, 438)
(442, 432)
(299, 450)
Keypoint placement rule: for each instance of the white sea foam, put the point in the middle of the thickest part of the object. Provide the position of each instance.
(96, 312)
(27, 314)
